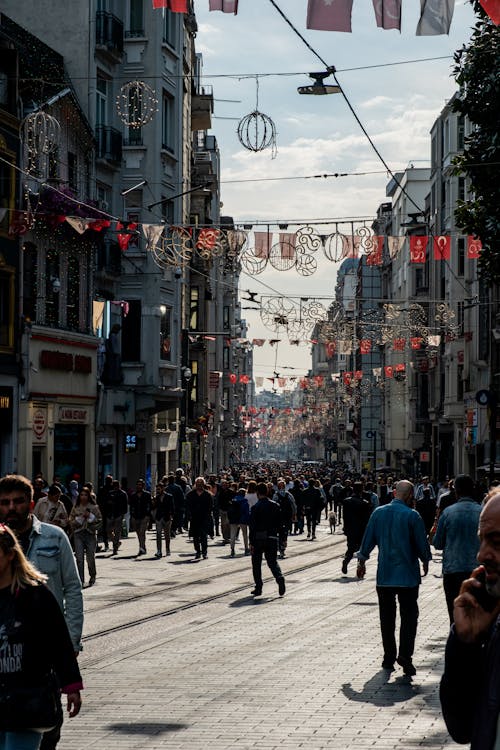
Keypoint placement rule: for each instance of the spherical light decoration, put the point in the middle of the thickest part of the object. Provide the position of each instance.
(306, 264)
(308, 240)
(282, 256)
(136, 104)
(257, 131)
(276, 313)
(41, 134)
(173, 248)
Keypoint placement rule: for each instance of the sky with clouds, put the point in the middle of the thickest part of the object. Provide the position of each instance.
(397, 105)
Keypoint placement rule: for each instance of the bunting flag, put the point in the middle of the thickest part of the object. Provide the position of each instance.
(210, 338)
(19, 224)
(287, 245)
(272, 342)
(259, 381)
(350, 246)
(400, 368)
(365, 346)
(176, 6)
(330, 348)
(377, 372)
(389, 371)
(318, 380)
(99, 224)
(388, 13)
(474, 246)
(347, 378)
(416, 342)
(258, 342)
(435, 17)
(244, 379)
(394, 245)
(152, 233)
(226, 6)
(233, 378)
(418, 246)
(374, 257)
(329, 15)
(79, 225)
(344, 347)
(125, 237)
(263, 241)
(281, 382)
(492, 8)
(358, 374)
(398, 345)
(434, 340)
(442, 247)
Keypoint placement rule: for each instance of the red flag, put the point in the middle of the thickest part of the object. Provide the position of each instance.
(226, 6)
(233, 378)
(398, 345)
(244, 379)
(418, 245)
(442, 247)
(287, 245)
(388, 371)
(416, 342)
(474, 245)
(374, 257)
(492, 8)
(365, 346)
(176, 6)
(358, 374)
(388, 13)
(347, 378)
(262, 244)
(400, 368)
(330, 348)
(125, 237)
(324, 15)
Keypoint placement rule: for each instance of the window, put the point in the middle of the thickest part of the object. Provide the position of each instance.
(101, 115)
(169, 27)
(30, 271)
(167, 138)
(194, 308)
(52, 288)
(225, 318)
(6, 308)
(225, 358)
(136, 26)
(7, 188)
(131, 333)
(165, 333)
(193, 387)
(460, 132)
(72, 171)
(167, 211)
(73, 296)
(461, 188)
(461, 255)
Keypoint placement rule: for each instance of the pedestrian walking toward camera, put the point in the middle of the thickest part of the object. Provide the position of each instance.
(140, 512)
(50, 509)
(288, 509)
(37, 655)
(199, 508)
(398, 531)
(457, 536)
(357, 510)
(313, 505)
(84, 520)
(238, 514)
(265, 522)
(164, 516)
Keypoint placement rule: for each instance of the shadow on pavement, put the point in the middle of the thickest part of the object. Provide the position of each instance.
(380, 692)
(249, 601)
(150, 728)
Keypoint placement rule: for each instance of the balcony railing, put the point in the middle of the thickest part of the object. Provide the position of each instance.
(109, 144)
(109, 33)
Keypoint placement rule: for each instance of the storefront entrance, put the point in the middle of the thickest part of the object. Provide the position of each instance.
(69, 453)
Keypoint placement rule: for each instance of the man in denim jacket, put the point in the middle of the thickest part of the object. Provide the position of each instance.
(48, 548)
(457, 536)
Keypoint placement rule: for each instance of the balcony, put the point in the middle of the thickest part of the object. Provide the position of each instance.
(109, 144)
(202, 107)
(109, 35)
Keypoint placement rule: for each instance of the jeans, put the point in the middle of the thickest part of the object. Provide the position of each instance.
(85, 544)
(451, 585)
(199, 534)
(283, 538)
(114, 527)
(224, 525)
(20, 740)
(141, 526)
(408, 611)
(163, 527)
(312, 520)
(268, 549)
(234, 531)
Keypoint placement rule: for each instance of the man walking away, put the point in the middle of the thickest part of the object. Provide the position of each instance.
(165, 511)
(199, 507)
(357, 511)
(140, 511)
(399, 533)
(457, 536)
(117, 507)
(102, 501)
(313, 505)
(265, 522)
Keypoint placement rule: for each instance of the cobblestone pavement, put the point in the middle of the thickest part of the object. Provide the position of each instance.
(218, 669)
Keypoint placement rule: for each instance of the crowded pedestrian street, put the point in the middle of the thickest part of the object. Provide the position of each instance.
(178, 654)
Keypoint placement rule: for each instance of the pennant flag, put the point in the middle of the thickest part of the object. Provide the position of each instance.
(388, 13)
(325, 15)
(125, 237)
(294, 342)
(79, 225)
(350, 246)
(388, 370)
(176, 6)
(492, 8)
(344, 347)
(400, 368)
(474, 246)
(358, 374)
(442, 247)
(365, 346)
(287, 245)
(263, 241)
(233, 378)
(259, 381)
(226, 6)
(418, 246)
(282, 383)
(244, 379)
(152, 233)
(99, 224)
(377, 371)
(434, 340)
(435, 17)
(398, 345)
(330, 348)
(374, 257)
(416, 342)
(394, 245)
(258, 342)
(347, 378)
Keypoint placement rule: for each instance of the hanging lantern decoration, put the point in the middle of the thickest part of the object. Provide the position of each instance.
(41, 136)
(136, 104)
(257, 131)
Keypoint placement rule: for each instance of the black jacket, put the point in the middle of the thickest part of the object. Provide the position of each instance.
(165, 506)
(357, 511)
(117, 504)
(140, 505)
(265, 521)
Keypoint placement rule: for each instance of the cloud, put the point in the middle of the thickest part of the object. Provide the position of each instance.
(376, 101)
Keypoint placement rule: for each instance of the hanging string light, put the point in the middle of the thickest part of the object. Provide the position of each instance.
(257, 131)
(136, 104)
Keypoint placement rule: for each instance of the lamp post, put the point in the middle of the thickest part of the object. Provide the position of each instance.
(184, 446)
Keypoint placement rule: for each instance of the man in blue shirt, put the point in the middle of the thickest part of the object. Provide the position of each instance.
(457, 535)
(399, 533)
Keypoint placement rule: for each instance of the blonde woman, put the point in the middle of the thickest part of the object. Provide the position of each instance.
(35, 645)
(84, 520)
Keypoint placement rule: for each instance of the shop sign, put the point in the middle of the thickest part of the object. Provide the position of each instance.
(73, 414)
(65, 362)
(40, 425)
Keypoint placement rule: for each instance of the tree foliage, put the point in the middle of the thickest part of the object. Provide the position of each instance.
(477, 72)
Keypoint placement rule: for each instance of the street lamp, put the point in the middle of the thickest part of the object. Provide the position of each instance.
(183, 449)
(319, 88)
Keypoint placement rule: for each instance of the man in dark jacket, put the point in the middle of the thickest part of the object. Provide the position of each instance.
(470, 698)
(140, 511)
(102, 502)
(357, 510)
(313, 505)
(265, 523)
(199, 506)
(286, 501)
(165, 511)
(116, 509)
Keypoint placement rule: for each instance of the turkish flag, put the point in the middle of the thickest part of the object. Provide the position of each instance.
(442, 247)
(492, 8)
(325, 15)
(365, 346)
(347, 378)
(388, 371)
(176, 6)
(374, 258)
(474, 246)
(398, 345)
(388, 13)
(233, 378)
(330, 348)
(226, 6)
(418, 246)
